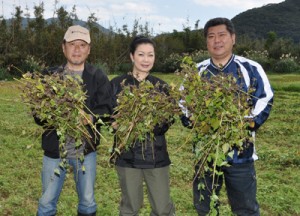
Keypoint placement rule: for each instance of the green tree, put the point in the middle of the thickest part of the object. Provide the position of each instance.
(281, 46)
(15, 45)
(4, 38)
(63, 18)
(271, 38)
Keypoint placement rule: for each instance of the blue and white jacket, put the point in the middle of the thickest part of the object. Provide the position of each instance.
(248, 73)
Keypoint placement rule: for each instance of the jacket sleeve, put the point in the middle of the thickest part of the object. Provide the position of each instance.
(102, 97)
(262, 96)
(115, 88)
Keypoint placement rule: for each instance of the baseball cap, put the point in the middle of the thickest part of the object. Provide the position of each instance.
(77, 32)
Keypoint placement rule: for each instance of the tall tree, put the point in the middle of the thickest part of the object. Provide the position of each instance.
(64, 19)
(4, 38)
(272, 36)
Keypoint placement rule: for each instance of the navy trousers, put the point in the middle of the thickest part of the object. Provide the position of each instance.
(240, 181)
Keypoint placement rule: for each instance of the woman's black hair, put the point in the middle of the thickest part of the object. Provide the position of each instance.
(140, 39)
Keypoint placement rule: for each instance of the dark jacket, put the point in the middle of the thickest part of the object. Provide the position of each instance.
(148, 154)
(98, 90)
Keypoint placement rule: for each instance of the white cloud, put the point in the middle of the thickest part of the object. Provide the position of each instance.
(163, 23)
(235, 3)
(133, 7)
(161, 15)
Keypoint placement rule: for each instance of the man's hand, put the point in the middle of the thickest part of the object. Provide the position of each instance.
(186, 122)
(115, 125)
(252, 125)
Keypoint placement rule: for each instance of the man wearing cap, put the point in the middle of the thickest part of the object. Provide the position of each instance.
(76, 48)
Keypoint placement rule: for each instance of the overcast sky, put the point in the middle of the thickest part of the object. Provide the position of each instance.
(161, 15)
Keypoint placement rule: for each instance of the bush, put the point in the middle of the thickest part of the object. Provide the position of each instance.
(32, 64)
(123, 68)
(173, 62)
(286, 64)
(199, 56)
(262, 57)
(103, 66)
(4, 74)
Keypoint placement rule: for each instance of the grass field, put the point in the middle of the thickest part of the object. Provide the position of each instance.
(277, 143)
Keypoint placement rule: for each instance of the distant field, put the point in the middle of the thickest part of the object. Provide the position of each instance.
(277, 143)
(290, 82)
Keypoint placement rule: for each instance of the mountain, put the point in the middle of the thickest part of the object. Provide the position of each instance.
(50, 20)
(282, 18)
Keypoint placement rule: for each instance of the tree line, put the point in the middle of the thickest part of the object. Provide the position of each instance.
(39, 43)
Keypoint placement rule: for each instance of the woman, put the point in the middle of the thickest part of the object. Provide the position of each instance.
(139, 163)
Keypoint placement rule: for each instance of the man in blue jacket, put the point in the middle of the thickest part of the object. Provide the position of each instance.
(240, 176)
(76, 48)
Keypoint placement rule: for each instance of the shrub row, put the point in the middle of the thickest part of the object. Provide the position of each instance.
(286, 64)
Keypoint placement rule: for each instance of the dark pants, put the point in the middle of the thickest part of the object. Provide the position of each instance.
(240, 181)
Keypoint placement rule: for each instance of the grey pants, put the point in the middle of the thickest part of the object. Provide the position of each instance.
(158, 186)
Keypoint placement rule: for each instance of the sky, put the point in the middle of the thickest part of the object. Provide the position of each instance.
(161, 15)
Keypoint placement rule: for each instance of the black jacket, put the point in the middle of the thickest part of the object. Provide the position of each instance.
(143, 155)
(99, 95)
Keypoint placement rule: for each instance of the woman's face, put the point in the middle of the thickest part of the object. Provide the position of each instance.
(143, 58)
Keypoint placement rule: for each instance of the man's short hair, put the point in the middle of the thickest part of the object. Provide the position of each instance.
(219, 21)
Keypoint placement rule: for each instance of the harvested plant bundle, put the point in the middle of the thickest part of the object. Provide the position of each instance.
(217, 108)
(140, 109)
(58, 102)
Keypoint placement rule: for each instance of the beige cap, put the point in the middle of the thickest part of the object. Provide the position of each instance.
(77, 32)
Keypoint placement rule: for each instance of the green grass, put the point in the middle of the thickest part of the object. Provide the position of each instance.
(287, 82)
(277, 169)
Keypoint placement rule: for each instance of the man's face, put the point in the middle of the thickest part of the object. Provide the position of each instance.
(220, 43)
(76, 52)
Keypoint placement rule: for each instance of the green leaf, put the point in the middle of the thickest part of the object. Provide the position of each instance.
(122, 128)
(188, 99)
(56, 171)
(40, 87)
(214, 197)
(215, 123)
(230, 154)
(54, 88)
(225, 148)
(207, 102)
(81, 158)
(117, 150)
(144, 100)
